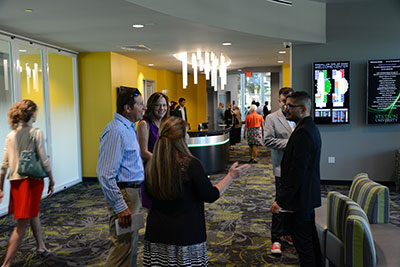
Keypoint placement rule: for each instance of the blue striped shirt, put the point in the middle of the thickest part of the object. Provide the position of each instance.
(119, 160)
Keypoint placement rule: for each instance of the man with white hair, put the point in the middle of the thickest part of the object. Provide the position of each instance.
(254, 129)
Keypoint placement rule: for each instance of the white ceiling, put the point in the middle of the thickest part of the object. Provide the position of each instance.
(105, 25)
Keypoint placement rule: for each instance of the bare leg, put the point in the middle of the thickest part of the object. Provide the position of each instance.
(255, 152)
(37, 233)
(15, 240)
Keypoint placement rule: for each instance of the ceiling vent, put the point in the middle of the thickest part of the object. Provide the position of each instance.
(135, 48)
(282, 2)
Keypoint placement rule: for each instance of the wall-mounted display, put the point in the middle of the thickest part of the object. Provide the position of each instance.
(331, 81)
(383, 91)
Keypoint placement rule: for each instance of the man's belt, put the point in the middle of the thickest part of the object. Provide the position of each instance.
(123, 185)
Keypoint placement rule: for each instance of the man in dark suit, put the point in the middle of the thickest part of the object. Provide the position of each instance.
(180, 111)
(300, 172)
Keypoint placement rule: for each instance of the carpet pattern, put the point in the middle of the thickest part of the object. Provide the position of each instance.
(75, 223)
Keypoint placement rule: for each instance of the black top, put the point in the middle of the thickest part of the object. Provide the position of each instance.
(300, 177)
(181, 221)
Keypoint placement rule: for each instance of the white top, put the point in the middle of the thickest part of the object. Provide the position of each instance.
(16, 141)
(183, 113)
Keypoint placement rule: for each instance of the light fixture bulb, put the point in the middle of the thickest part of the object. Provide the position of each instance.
(138, 26)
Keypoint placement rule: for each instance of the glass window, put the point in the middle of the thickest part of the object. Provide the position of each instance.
(257, 88)
(31, 80)
(63, 118)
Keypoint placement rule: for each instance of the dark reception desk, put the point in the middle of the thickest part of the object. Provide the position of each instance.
(211, 147)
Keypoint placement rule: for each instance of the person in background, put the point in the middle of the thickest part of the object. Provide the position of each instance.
(237, 117)
(147, 131)
(172, 108)
(301, 192)
(266, 110)
(254, 129)
(259, 109)
(228, 115)
(178, 186)
(277, 130)
(180, 110)
(120, 172)
(219, 115)
(26, 191)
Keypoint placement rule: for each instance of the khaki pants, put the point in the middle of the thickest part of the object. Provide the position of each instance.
(123, 248)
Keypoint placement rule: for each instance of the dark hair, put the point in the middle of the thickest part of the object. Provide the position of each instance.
(21, 111)
(257, 104)
(181, 100)
(126, 96)
(151, 103)
(285, 91)
(301, 97)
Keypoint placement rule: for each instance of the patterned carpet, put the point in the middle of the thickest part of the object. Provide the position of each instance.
(238, 224)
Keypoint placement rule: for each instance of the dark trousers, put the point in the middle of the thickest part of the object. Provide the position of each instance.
(278, 227)
(305, 238)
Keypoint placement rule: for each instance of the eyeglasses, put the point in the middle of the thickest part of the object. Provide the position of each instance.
(135, 93)
(292, 106)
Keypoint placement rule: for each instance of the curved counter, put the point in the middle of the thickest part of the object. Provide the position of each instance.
(211, 148)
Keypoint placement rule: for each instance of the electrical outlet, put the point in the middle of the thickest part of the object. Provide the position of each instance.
(331, 160)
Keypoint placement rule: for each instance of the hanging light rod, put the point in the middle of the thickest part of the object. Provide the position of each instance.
(206, 61)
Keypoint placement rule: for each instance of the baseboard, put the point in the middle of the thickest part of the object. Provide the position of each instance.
(90, 180)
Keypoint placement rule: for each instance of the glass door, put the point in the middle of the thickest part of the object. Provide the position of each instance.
(64, 117)
(6, 100)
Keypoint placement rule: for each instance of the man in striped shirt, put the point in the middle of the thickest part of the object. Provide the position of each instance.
(120, 173)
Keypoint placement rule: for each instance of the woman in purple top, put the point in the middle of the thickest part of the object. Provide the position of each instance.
(147, 130)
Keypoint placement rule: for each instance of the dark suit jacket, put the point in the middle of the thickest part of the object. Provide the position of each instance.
(178, 112)
(300, 175)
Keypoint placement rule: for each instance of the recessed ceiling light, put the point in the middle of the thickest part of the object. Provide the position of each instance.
(282, 52)
(151, 64)
(22, 50)
(138, 26)
(280, 61)
(226, 44)
(29, 10)
(239, 69)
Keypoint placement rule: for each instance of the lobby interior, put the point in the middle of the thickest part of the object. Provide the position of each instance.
(71, 56)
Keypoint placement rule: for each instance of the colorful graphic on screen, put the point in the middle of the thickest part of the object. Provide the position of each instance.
(383, 91)
(331, 92)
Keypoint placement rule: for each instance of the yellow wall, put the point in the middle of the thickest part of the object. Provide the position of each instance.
(96, 106)
(101, 73)
(196, 99)
(286, 75)
(123, 73)
(166, 80)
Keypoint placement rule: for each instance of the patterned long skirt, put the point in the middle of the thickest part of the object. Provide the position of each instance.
(157, 254)
(254, 136)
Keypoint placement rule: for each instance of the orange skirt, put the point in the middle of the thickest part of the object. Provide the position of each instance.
(25, 198)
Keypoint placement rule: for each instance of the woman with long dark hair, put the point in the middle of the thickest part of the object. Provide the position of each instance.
(178, 186)
(26, 191)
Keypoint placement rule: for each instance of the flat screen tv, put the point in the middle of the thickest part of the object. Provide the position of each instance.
(383, 95)
(331, 82)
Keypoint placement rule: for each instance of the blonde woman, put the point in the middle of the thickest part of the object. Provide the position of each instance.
(178, 186)
(25, 191)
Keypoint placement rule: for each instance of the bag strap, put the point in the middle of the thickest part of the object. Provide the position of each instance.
(32, 139)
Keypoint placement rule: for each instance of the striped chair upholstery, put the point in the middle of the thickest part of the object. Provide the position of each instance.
(372, 197)
(349, 223)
